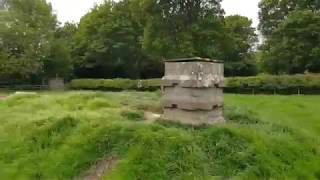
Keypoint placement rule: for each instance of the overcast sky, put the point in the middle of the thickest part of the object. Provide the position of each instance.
(73, 10)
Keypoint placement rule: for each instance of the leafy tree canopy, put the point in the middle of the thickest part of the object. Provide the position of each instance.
(238, 48)
(29, 26)
(130, 38)
(273, 12)
(295, 45)
(182, 28)
(127, 38)
(109, 42)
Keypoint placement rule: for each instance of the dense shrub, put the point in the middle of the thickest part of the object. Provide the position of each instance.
(285, 84)
(115, 84)
(104, 84)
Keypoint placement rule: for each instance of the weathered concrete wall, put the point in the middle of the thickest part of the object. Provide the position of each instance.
(192, 98)
(56, 84)
(198, 117)
(194, 74)
(193, 92)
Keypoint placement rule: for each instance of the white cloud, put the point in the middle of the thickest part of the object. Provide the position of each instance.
(247, 8)
(73, 10)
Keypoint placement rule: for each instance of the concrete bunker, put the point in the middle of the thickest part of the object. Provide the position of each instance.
(56, 84)
(193, 91)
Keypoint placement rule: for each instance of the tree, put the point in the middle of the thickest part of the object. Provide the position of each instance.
(182, 28)
(295, 45)
(131, 38)
(273, 12)
(29, 27)
(240, 38)
(59, 62)
(109, 43)
(67, 31)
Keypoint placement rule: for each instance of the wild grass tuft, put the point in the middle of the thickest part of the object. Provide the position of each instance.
(61, 135)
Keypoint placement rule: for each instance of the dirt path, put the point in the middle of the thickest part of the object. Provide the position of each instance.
(100, 170)
(2, 98)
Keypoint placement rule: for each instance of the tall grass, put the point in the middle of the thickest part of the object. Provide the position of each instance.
(60, 135)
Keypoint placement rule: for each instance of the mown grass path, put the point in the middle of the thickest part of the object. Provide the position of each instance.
(299, 112)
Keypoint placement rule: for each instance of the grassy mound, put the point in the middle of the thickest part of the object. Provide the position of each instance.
(59, 136)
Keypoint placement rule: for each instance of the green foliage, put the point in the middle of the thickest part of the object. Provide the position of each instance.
(59, 62)
(262, 84)
(67, 133)
(109, 44)
(133, 115)
(130, 38)
(25, 38)
(290, 28)
(104, 84)
(294, 46)
(123, 39)
(285, 84)
(67, 31)
(32, 46)
(274, 12)
(239, 46)
(3, 15)
(115, 84)
(182, 28)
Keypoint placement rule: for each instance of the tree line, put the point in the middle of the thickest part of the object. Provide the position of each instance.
(132, 38)
(291, 29)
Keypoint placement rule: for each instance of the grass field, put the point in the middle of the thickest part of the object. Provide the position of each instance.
(3, 93)
(61, 135)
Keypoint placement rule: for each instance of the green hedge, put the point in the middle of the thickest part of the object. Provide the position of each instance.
(275, 82)
(115, 84)
(266, 84)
